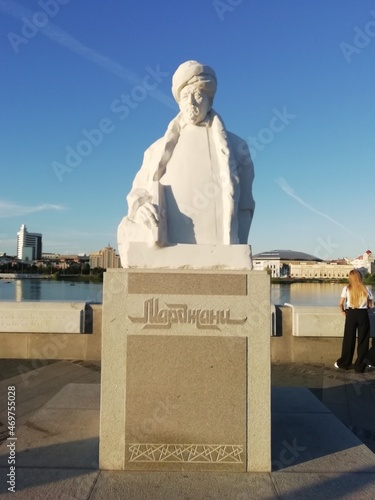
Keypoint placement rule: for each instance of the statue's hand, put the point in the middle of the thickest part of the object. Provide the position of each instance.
(148, 214)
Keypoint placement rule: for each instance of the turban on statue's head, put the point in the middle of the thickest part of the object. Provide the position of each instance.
(194, 72)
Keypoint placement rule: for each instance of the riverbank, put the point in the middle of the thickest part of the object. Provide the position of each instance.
(23, 276)
(99, 278)
(288, 281)
(96, 278)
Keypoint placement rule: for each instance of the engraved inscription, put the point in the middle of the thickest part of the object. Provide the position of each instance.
(189, 453)
(203, 319)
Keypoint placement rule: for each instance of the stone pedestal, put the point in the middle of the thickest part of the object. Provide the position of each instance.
(223, 257)
(185, 371)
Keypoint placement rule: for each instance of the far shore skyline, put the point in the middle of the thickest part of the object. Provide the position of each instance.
(97, 248)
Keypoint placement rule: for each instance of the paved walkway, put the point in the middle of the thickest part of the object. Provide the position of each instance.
(317, 446)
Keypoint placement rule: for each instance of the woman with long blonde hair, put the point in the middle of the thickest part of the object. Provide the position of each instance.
(354, 303)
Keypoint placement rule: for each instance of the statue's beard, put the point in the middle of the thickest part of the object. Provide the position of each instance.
(193, 114)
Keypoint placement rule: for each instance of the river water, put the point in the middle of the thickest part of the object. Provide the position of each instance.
(314, 294)
(45, 289)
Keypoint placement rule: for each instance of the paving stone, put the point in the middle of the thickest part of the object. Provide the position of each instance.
(347, 486)
(295, 400)
(187, 486)
(316, 443)
(57, 438)
(50, 484)
(76, 396)
(314, 454)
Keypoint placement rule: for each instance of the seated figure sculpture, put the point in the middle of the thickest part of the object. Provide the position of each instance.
(195, 184)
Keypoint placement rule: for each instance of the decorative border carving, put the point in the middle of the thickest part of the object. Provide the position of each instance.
(188, 453)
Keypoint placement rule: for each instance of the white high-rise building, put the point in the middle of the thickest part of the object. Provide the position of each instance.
(29, 245)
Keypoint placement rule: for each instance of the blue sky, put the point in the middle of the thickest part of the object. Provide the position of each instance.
(64, 69)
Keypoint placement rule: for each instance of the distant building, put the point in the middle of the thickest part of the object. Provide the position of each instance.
(105, 258)
(364, 263)
(4, 258)
(50, 256)
(321, 270)
(64, 261)
(73, 258)
(279, 262)
(29, 245)
(289, 263)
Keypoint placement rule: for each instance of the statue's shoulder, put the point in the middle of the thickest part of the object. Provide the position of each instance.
(234, 138)
(153, 151)
(240, 147)
(155, 146)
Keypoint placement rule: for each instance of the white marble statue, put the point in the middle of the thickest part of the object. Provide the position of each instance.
(194, 188)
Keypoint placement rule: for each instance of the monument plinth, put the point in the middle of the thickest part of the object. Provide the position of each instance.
(180, 256)
(185, 371)
(186, 323)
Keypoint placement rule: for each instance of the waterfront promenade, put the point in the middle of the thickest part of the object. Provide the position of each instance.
(323, 439)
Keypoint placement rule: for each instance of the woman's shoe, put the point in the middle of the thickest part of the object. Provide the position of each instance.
(340, 367)
(361, 368)
(368, 364)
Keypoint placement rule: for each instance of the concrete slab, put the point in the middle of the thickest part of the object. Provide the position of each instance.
(61, 346)
(359, 395)
(317, 321)
(76, 396)
(335, 395)
(314, 455)
(34, 388)
(317, 443)
(57, 438)
(186, 485)
(34, 483)
(14, 346)
(340, 411)
(295, 400)
(345, 486)
(31, 373)
(297, 375)
(42, 317)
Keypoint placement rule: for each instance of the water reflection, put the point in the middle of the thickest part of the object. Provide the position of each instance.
(18, 290)
(314, 294)
(41, 289)
(27, 290)
(280, 294)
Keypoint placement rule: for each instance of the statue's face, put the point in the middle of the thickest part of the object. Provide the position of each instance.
(194, 104)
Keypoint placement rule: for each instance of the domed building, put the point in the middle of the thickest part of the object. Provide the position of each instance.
(292, 264)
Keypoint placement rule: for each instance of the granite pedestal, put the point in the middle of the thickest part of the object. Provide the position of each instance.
(185, 371)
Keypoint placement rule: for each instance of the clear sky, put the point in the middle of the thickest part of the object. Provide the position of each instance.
(295, 78)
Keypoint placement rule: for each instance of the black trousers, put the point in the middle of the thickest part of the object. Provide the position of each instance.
(356, 320)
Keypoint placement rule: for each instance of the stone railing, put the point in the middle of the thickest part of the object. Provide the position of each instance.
(56, 330)
(309, 334)
(43, 317)
(50, 330)
(321, 321)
